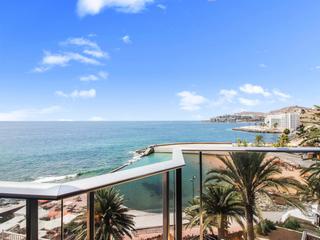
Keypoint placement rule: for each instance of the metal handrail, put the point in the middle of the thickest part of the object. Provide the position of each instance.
(32, 192)
(56, 191)
(251, 149)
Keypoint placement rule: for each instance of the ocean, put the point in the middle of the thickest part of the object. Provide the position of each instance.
(44, 151)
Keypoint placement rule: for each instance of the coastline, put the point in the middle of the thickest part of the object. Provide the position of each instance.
(257, 129)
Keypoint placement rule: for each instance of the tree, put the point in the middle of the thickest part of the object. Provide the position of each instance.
(192, 216)
(311, 136)
(221, 204)
(301, 130)
(283, 141)
(253, 174)
(286, 131)
(259, 140)
(311, 175)
(242, 142)
(275, 125)
(265, 227)
(112, 220)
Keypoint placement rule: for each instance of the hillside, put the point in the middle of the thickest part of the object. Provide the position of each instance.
(257, 114)
(310, 117)
(246, 116)
(290, 109)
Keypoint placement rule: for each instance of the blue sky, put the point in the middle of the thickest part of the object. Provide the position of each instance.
(156, 59)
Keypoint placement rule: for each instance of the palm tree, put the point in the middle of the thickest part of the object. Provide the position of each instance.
(192, 216)
(311, 136)
(311, 175)
(221, 204)
(275, 125)
(252, 174)
(112, 220)
(259, 140)
(312, 192)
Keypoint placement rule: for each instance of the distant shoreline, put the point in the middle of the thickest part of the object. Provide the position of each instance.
(257, 129)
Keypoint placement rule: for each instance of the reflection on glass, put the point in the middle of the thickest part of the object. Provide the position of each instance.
(12, 218)
(75, 217)
(49, 215)
(282, 187)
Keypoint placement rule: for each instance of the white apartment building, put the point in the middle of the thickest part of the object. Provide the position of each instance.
(283, 121)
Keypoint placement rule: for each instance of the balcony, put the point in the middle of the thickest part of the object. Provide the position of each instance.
(154, 199)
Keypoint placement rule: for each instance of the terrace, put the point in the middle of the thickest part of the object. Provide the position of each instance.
(156, 194)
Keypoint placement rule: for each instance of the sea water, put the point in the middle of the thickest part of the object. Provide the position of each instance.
(48, 151)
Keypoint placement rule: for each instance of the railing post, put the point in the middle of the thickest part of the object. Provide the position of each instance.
(201, 191)
(165, 206)
(90, 216)
(62, 225)
(32, 219)
(178, 205)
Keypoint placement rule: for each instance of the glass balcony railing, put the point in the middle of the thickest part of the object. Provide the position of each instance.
(199, 193)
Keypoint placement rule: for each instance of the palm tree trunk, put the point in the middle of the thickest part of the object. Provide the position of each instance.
(220, 233)
(222, 228)
(249, 222)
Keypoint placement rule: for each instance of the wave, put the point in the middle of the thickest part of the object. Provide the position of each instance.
(93, 172)
(55, 178)
(134, 159)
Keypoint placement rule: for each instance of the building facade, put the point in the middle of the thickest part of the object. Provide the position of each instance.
(283, 121)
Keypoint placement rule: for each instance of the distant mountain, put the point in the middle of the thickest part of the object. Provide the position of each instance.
(246, 116)
(244, 113)
(240, 117)
(290, 109)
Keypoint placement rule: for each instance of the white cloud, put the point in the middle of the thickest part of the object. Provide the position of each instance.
(248, 102)
(103, 74)
(262, 65)
(93, 50)
(254, 89)
(28, 113)
(80, 41)
(65, 120)
(162, 7)
(89, 78)
(228, 95)
(94, 77)
(96, 119)
(190, 101)
(40, 69)
(93, 7)
(97, 53)
(78, 94)
(91, 35)
(55, 59)
(225, 96)
(49, 110)
(282, 96)
(126, 39)
(62, 59)
(91, 53)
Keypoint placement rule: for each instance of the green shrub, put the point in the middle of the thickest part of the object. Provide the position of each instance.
(265, 226)
(286, 131)
(292, 223)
